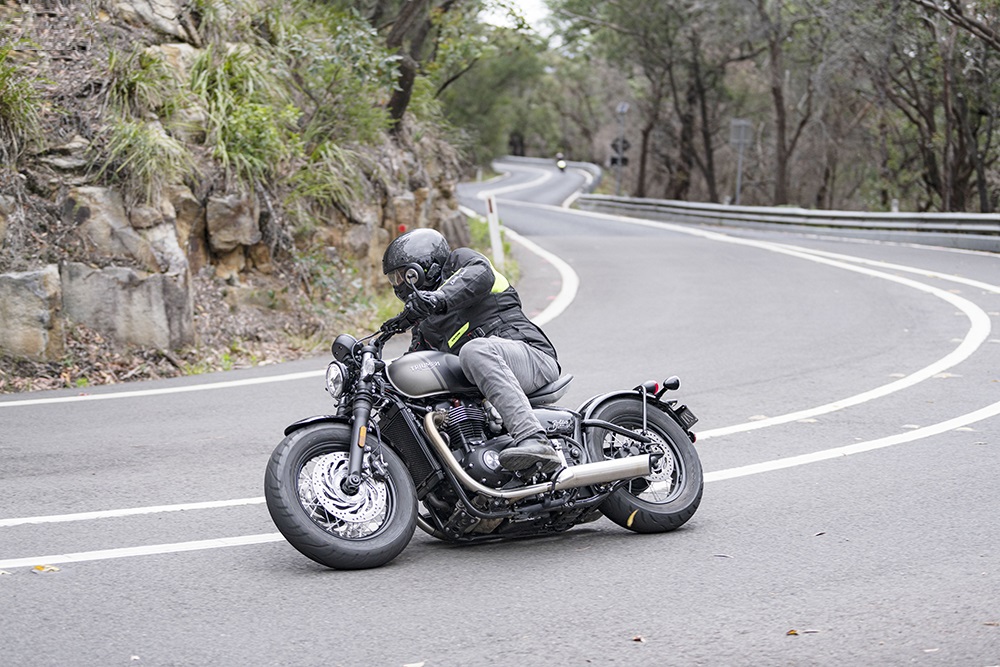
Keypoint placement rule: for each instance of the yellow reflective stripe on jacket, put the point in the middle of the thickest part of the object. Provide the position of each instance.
(500, 283)
(458, 334)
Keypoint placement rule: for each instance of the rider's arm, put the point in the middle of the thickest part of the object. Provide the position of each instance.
(470, 281)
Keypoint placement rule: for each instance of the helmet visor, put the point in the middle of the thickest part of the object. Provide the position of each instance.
(396, 277)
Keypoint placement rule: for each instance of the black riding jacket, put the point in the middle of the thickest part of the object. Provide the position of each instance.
(480, 302)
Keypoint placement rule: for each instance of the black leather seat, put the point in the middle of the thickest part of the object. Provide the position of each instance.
(551, 392)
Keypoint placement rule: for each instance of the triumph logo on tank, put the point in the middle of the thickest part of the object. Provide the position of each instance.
(427, 365)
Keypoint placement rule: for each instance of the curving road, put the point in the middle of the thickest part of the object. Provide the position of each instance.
(849, 396)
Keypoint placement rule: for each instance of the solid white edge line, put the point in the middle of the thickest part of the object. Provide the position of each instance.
(226, 384)
(133, 511)
(149, 550)
(544, 176)
(857, 448)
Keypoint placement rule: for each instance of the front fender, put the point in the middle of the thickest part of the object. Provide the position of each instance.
(316, 419)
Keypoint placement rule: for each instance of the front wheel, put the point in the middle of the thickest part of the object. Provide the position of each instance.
(667, 498)
(308, 504)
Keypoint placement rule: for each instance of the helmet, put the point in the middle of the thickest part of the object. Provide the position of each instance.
(414, 261)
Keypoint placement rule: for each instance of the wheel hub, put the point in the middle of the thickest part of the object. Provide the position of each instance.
(664, 470)
(328, 476)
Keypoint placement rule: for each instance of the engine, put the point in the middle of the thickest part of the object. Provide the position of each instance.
(467, 426)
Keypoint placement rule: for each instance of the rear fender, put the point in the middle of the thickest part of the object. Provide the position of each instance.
(667, 407)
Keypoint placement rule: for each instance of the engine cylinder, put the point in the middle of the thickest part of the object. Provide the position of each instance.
(465, 425)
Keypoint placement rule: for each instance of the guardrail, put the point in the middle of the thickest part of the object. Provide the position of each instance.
(953, 230)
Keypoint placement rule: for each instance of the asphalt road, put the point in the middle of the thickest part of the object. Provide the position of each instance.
(849, 396)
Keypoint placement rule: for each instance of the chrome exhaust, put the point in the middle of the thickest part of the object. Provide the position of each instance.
(600, 472)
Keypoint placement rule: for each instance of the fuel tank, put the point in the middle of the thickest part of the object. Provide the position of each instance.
(429, 372)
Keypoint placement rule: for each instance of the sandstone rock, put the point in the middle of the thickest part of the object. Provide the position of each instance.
(178, 56)
(29, 313)
(232, 221)
(230, 264)
(100, 214)
(163, 241)
(144, 216)
(404, 211)
(6, 211)
(161, 15)
(146, 310)
(190, 225)
(260, 256)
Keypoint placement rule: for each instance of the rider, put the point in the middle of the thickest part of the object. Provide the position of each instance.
(464, 306)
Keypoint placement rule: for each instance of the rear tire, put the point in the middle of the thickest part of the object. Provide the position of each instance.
(307, 504)
(668, 498)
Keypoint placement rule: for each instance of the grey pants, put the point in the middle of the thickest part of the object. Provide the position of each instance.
(504, 370)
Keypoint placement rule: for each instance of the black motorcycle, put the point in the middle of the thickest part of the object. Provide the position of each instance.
(413, 443)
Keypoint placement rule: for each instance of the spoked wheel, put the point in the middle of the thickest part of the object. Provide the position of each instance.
(308, 503)
(667, 498)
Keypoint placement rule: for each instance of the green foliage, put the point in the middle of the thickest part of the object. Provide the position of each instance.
(20, 104)
(140, 82)
(343, 73)
(252, 127)
(331, 176)
(500, 96)
(145, 159)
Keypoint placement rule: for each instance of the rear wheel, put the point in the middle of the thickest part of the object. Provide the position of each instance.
(667, 498)
(307, 502)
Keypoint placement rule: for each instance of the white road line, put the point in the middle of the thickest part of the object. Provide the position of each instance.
(716, 476)
(570, 281)
(229, 384)
(542, 178)
(149, 550)
(857, 448)
(133, 511)
(978, 333)
(975, 315)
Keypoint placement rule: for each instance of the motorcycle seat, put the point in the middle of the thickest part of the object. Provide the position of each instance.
(550, 393)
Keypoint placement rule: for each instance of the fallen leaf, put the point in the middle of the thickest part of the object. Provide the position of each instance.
(45, 568)
(792, 633)
(639, 638)
(628, 524)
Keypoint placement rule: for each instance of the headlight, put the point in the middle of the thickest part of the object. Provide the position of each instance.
(335, 374)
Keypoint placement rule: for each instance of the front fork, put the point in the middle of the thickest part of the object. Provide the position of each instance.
(363, 401)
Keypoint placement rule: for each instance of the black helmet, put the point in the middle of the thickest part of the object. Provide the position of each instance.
(415, 259)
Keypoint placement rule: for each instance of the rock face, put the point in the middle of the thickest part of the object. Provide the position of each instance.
(146, 310)
(30, 322)
(129, 272)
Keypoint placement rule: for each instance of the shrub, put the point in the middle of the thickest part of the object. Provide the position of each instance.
(19, 105)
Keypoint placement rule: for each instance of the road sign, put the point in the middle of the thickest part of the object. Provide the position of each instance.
(620, 145)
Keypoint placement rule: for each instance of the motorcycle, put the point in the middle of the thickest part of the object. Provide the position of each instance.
(561, 164)
(412, 442)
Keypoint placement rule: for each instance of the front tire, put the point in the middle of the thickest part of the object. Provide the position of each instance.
(664, 500)
(307, 504)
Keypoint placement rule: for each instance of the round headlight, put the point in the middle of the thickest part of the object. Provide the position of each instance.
(335, 374)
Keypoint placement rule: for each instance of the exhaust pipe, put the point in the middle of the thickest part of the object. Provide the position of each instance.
(600, 472)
